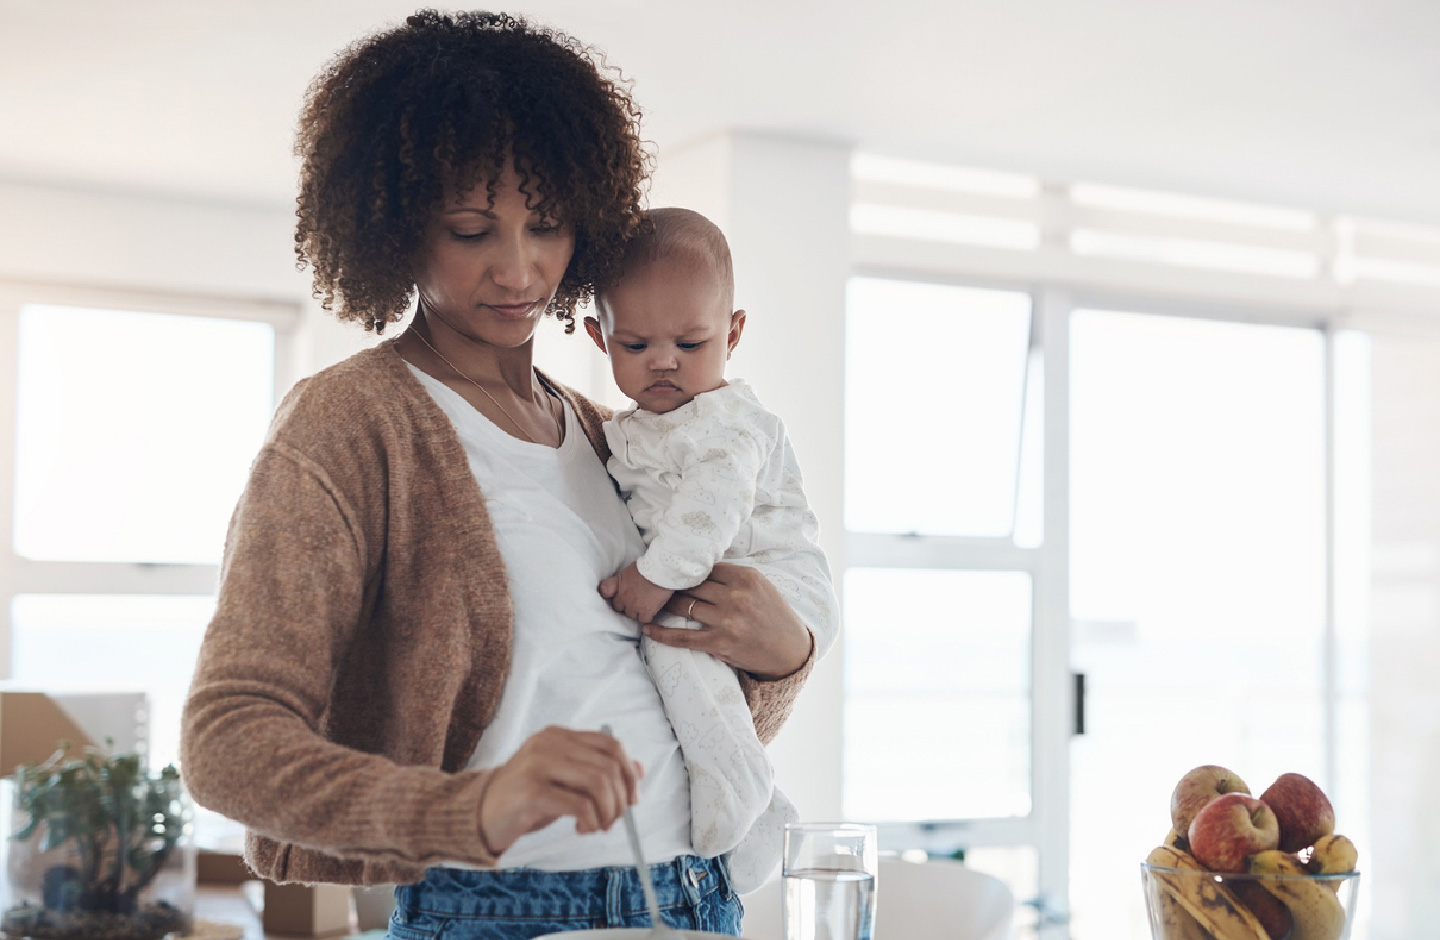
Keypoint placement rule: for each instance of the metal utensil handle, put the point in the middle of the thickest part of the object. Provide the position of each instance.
(646, 884)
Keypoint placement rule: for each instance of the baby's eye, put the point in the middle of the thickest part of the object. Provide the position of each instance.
(634, 347)
(695, 345)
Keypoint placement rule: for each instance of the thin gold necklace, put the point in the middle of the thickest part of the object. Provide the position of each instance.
(486, 392)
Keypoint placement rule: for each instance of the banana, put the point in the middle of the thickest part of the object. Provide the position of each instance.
(1335, 854)
(1176, 923)
(1314, 908)
(1176, 840)
(1209, 902)
(1267, 908)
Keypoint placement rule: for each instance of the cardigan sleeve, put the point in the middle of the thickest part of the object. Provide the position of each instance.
(292, 593)
(772, 700)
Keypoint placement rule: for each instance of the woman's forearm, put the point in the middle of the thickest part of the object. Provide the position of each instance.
(291, 600)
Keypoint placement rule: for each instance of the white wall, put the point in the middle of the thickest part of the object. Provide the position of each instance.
(147, 242)
(167, 252)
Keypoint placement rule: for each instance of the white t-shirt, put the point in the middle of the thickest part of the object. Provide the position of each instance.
(561, 528)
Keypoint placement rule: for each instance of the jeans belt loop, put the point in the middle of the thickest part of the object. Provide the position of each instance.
(722, 869)
(614, 896)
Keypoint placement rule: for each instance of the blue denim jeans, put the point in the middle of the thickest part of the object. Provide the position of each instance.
(521, 903)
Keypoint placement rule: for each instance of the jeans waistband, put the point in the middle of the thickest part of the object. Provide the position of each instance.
(587, 893)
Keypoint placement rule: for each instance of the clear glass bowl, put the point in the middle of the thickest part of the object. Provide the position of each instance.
(1185, 904)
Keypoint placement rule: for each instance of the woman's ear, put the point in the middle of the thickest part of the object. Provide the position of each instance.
(737, 326)
(592, 326)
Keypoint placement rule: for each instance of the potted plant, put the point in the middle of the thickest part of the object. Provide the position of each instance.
(100, 851)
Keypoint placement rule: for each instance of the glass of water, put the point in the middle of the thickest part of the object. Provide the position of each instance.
(829, 871)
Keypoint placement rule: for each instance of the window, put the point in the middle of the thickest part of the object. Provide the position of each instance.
(943, 534)
(1174, 375)
(943, 734)
(133, 432)
(1197, 578)
(934, 402)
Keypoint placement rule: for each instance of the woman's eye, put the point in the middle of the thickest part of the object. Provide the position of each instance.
(695, 345)
(467, 236)
(546, 228)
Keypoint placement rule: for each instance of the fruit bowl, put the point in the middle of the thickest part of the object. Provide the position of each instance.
(1194, 904)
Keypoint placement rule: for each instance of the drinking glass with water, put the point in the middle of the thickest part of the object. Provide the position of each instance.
(829, 871)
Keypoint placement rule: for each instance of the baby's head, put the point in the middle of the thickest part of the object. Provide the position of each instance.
(665, 320)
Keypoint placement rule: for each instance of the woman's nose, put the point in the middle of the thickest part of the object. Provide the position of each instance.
(512, 267)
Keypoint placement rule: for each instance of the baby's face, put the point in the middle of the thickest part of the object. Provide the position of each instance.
(667, 332)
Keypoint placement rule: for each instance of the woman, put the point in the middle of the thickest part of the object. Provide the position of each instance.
(406, 672)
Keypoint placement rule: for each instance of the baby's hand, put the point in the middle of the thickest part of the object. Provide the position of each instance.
(633, 595)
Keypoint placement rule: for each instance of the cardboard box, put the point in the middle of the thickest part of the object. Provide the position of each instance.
(297, 910)
(32, 724)
(214, 867)
(308, 910)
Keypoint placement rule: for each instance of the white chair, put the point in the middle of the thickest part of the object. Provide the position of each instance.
(934, 900)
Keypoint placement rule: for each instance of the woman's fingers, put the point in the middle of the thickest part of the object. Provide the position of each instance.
(599, 770)
(690, 605)
(748, 624)
(558, 772)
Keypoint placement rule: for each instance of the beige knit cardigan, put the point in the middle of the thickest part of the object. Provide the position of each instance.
(362, 637)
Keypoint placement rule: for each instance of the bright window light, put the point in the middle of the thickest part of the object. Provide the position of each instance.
(135, 432)
(953, 227)
(1190, 207)
(876, 169)
(1191, 253)
(934, 386)
(1198, 533)
(946, 734)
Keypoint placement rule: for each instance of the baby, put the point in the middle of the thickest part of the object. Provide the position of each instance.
(708, 475)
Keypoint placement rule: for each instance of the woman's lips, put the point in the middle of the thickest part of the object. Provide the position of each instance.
(516, 311)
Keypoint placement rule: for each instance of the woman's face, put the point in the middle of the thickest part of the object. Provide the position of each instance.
(488, 271)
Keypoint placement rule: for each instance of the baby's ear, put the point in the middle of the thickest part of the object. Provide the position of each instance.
(737, 326)
(592, 326)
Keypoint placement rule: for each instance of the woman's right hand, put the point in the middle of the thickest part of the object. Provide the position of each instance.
(558, 772)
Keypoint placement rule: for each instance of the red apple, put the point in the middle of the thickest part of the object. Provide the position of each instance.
(1231, 827)
(1303, 809)
(1272, 913)
(1199, 787)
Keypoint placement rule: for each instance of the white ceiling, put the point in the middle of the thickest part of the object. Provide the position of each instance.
(1314, 103)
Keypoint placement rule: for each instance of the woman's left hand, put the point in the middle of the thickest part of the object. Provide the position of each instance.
(745, 621)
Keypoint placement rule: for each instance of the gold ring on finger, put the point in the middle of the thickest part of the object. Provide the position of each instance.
(690, 611)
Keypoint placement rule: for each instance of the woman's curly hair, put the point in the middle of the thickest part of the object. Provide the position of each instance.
(402, 117)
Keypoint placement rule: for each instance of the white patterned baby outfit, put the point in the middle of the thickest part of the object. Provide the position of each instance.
(716, 480)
